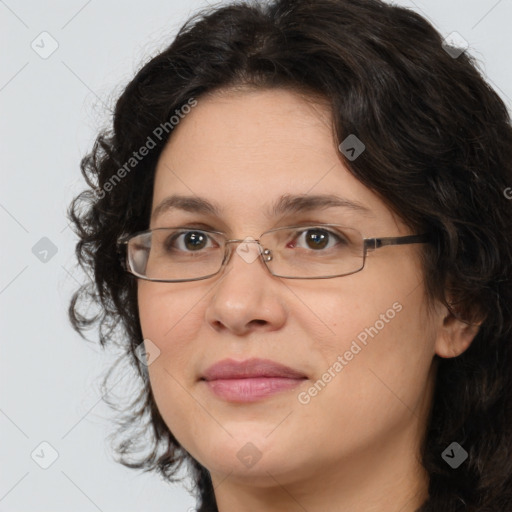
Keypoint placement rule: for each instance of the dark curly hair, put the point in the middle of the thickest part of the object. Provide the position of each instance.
(438, 152)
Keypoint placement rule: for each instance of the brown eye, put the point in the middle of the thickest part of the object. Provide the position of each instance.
(190, 241)
(318, 239)
(194, 240)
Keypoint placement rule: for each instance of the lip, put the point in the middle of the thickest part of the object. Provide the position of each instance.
(250, 380)
(249, 368)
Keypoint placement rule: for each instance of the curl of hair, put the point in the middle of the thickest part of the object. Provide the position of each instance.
(438, 152)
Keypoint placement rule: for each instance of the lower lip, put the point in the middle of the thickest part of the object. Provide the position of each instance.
(252, 389)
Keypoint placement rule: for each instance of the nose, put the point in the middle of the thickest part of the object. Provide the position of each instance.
(246, 297)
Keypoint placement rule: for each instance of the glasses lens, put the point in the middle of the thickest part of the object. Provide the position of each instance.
(175, 254)
(314, 251)
(181, 254)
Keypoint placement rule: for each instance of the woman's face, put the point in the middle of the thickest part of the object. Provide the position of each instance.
(363, 343)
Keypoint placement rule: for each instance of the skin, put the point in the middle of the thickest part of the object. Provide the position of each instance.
(355, 445)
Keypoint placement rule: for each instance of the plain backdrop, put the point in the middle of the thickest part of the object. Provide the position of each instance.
(52, 106)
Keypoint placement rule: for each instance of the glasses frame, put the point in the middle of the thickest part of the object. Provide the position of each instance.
(369, 245)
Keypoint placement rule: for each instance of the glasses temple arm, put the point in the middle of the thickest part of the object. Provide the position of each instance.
(375, 243)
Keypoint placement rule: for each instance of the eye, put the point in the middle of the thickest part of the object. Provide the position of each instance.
(188, 241)
(318, 239)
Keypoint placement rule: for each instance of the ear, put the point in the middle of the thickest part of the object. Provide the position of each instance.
(454, 335)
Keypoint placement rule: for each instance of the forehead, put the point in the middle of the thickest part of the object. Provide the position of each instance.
(244, 151)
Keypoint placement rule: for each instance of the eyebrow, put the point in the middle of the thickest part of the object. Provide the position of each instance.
(286, 204)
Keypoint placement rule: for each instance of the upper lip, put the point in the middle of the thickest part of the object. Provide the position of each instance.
(231, 369)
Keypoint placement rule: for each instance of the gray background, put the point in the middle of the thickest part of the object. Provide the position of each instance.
(51, 109)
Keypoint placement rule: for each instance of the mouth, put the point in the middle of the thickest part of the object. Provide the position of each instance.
(250, 380)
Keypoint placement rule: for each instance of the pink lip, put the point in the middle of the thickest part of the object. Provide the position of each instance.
(250, 380)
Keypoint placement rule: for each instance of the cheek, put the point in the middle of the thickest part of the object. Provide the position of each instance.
(172, 324)
(376, 359)
(168, 316)
(379, 312)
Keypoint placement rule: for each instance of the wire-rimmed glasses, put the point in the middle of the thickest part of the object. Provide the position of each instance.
(316, 251)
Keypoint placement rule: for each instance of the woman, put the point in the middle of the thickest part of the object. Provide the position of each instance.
(301, 214)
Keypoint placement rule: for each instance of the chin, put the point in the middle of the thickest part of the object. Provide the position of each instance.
(253, 458)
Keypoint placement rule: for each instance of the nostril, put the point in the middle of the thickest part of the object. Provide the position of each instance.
(258, 322)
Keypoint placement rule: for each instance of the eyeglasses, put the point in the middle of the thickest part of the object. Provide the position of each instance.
(179, 254)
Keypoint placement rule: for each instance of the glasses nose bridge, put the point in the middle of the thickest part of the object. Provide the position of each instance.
(239, 240)
(229, 249)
